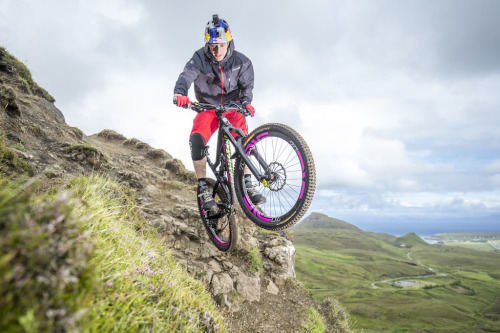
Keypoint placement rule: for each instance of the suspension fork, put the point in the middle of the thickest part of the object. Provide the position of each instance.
(237, 143)
(259, 159)
(219, 175)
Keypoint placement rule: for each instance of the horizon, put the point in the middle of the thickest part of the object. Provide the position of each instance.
(421, 227)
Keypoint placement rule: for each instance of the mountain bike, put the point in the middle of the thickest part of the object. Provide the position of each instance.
(279, 159)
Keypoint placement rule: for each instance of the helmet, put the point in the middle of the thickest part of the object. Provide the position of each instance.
(217, 31)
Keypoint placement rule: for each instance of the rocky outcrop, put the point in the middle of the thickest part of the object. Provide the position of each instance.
(227, 276)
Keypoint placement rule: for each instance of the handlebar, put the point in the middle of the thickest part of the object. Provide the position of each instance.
(201, 107)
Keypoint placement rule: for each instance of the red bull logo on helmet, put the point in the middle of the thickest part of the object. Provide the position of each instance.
(217, 31)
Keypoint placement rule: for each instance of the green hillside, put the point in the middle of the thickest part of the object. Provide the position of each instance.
(410, 239)
(390, 288)
(321, 221)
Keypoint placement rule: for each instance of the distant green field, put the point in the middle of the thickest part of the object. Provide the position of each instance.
(453, 289)
(480, 241)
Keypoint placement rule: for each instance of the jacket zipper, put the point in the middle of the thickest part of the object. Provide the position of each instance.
(222, 79)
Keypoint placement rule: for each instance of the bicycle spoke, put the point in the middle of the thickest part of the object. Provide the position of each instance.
(289, 165)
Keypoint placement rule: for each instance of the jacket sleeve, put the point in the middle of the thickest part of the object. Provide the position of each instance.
(187, 77)
(245, 82)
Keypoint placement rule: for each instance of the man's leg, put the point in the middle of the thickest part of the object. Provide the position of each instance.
(207, 201)
(200, 168)
(238, 120)
(198, 154)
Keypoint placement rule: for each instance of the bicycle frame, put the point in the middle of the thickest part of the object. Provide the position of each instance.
(225, 130)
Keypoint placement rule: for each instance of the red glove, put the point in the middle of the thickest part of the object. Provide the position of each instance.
(182, 101)
(250, 109)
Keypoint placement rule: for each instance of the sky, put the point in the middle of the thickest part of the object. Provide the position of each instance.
(399, 100)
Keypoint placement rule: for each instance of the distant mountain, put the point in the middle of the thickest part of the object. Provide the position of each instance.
(322, 221)
(411, 239)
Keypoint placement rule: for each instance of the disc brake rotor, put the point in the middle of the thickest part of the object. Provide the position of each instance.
(278, 176)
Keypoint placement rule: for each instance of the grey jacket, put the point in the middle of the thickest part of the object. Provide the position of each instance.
(217, 82)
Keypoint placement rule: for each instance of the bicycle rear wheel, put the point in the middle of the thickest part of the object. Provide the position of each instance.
(221, 225)
(285, 155)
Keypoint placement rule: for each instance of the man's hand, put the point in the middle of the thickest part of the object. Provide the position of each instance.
(249, 108)
(183, 101)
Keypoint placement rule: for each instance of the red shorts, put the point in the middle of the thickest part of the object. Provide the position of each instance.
(206, 123)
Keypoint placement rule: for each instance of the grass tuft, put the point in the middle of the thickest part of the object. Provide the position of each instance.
(313, 322)
(89, 153)
(255, 260)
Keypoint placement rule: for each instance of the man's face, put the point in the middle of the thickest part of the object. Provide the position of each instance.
(218, 50)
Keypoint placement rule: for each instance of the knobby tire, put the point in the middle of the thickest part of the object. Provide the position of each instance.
(221, 226)
(290, 193)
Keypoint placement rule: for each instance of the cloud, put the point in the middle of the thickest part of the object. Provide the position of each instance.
(398, 101)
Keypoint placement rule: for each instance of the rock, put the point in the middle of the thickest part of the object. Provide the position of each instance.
(196, 267)
(170, 240)
(251, 242)
(227, 265)
(275, 242)
(184, 243)
(235, 271)
(272, 288)
(152, 190)
(221, 284)
(207, 277)
(192, 233)
(179, 227)
(279, 279)
(284, 256)
(160, 225)
(267, 266)
(214, 265)
(248, 287)
(221, 299)
(53, 171)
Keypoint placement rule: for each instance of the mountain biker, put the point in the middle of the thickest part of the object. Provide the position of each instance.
(220, 75)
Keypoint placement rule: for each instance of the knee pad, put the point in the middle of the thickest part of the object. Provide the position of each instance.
(197, 146)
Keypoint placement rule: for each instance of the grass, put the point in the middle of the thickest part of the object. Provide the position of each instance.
(11, 164)
(126, 280)
(22, 75)
(461, 294)
(255, 260)
(44, 275)
(481, 241)
(88, 152)
(313, 322)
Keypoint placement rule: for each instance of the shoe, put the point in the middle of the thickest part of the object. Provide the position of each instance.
(207, 201)
(254, 195)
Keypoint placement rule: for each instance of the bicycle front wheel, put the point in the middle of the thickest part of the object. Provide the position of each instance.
(220, 225)
(280, 151)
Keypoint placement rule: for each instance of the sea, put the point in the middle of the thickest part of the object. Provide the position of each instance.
(426, 227)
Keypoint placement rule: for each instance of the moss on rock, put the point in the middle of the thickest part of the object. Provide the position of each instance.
(86, 153)
(11, 164)
(111, 135)
(21, 75)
